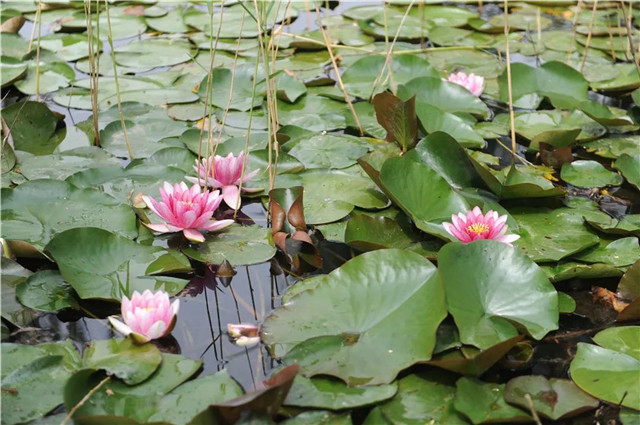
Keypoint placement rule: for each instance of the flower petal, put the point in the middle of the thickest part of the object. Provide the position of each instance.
(193, 235)
(119, 326)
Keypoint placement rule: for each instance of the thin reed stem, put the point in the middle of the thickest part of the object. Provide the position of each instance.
(84, 400)
(115, 79)
(512, 122)
(588, 42)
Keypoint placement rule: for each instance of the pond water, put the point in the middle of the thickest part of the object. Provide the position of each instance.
(386, 154)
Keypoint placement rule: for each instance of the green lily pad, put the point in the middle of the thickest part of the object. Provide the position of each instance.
(629, 286)
(484, 304)
(329, 151)
(52, 75)
(33, 390)
(589, 174)
(61, 165)
(420, 192)
(331, 340)
(25, 219)
(327, 393)
(484, 402)
(153, 52)
(567, 269)
(12, 70)
(12, 275)
(359, 78)
(433, 119)
(446, 96)
(137, 402)
(553, 398)
(621, 252)
(312, 112)
(240, 245)
(115, 266)
(422, 398)
(235, 83)
(123, 358)
(629, 166)
(469, 360)
(46, 290)
(69, 47)
(330, 195)
(478, 61)
(319, 417)
(550, 235)
(610, 372)
(32, 126)
(566, 303)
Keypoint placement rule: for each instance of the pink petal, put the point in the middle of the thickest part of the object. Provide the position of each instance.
(193, 235)
(231, 196)
(216, 225)
(119, 326)
(160, 228)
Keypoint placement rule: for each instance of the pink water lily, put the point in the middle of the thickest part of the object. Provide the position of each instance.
(472, 82)
(225, 173)
(147, 316)
(476, 226)
(186, 210)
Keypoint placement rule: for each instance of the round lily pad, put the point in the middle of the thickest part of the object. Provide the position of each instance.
(314, 329)
(583, 173)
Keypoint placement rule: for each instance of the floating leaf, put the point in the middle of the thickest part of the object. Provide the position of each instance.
(315, 332)
(421, 399)
(398, 117)
(123, 358)
(329, 151)
(25, 219)
(621, 252)
(589, 174)
(629, 166)
(490, 286)
(46, 290)
(552, 398)
(240, 245)
(328, 393)
(115, 266)
(32, 126)
(484, 402)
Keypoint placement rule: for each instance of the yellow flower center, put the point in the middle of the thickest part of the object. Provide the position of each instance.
(187, 203)
(477, 228)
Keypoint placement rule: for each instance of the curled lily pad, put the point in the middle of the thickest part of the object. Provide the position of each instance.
(589, 174)
(46, 290)
(323, 338)
(621, 252)
(484, 303)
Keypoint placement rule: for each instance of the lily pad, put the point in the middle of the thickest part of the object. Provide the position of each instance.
(315, 332)
(629, 166)
(553, 398)
(33, 390)
(419, 191)
(327, 393)
(14, 274)
(25, 219)
(589, 174)
(484, 303)
(422, 398)
(621, 252)
(329, 151)
(115, 266)
(609, 372)
(123, 358)
(32, 126)
(46, 290)
(484, 402)
(240, 245)
(62, 165)
(12, 70)
(550, 235)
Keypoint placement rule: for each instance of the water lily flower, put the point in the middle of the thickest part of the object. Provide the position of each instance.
(476, 226)
(186, 210)
(243, 333)
(472, 82)
(224, 173)
(147, 316)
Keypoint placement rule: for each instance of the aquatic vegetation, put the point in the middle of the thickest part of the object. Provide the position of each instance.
(472, 82)
(147, 316)
(475, 226)
(186, 210)
(225, 173)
